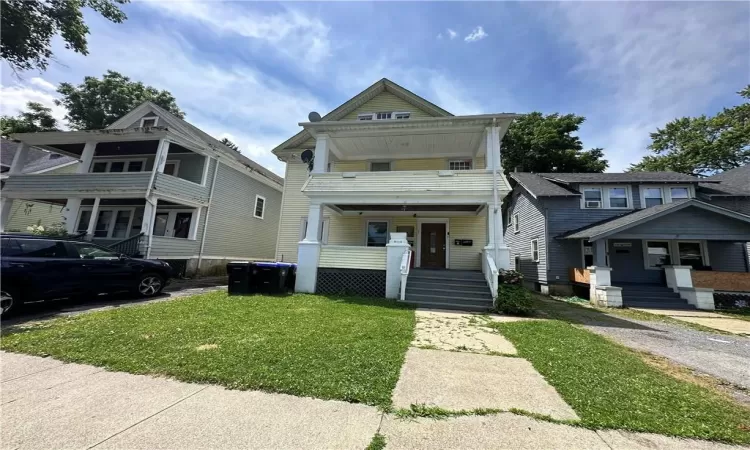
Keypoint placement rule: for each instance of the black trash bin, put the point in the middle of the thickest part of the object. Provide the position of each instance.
(239, 277)
(291, 276)
(270, 278)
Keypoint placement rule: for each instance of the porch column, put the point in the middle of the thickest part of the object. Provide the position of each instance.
(496, 242)
(308, 253)
(147, 225)
(320, 163)
(92, 221)
(161, 156)
(600, 253)
(86, 157)
(6, 204)
(678, 277)
(19, 159)
(492, 136)
(395, 249)
(70, 214)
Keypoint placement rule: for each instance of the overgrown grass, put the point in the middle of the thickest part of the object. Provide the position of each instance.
(332, 348)
(610, 386)
(377, 442)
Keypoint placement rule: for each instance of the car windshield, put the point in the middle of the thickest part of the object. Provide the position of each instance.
(90, 251)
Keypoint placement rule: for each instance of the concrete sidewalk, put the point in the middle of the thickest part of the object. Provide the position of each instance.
(708, 319)
(49, 404)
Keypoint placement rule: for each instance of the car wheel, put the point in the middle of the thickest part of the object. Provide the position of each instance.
(150, 284)
(9, 300)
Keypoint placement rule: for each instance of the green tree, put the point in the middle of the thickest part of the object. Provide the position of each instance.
(37, 118)
(96, 104)
(702, 145)
(28, 26)
(539, 143)
(230, 144)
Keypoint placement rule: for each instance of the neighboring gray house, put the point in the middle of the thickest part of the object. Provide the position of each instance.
(154, 183)
(635, 223)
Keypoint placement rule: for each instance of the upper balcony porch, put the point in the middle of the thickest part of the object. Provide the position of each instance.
(115, 164)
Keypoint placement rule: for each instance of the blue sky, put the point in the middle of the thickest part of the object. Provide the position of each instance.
(252, 71)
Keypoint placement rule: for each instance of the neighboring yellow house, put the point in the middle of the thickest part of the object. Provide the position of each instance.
(388, 161)
(25, 213)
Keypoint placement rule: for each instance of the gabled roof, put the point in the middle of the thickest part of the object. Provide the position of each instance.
(541, 187)
(624, 177)
(620, 223)
(734, 183)
(36, 160)
(190, 130)
(383, 85)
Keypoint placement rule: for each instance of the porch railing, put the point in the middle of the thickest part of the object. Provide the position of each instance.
(405, 266)
(130, 246)
(579, 275)
(491, 274)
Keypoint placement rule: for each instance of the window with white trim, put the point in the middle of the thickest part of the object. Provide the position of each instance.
(463, 164)
(119, 166)
(385, 115)
(679, 193)
(322, 233)
(652, 197)
(588, 253)
(516, 225)
(606, 197)
(380, 166)
(535, 250)
(110, 222)
(657, 254)
(149, 121)
(367, 116)
(517, 263)
(401, 115)
(260, 207)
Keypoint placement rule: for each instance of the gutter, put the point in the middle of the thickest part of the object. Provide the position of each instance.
(208, 212)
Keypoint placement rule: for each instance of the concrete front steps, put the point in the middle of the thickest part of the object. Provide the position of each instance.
(448, 289)
(652, 296)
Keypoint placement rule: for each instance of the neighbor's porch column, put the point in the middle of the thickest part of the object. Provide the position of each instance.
(6, 204)
(93, 219)
(147, 225)
(320, 162)
(308, 253)
(87, 156)
(70, 214)
(19, 159)
(601, 291)
(161, 156)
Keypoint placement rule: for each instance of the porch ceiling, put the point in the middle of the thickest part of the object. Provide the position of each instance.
(411, 208)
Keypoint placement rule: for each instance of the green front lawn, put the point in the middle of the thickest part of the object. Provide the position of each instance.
(332, 348)
(610, 386)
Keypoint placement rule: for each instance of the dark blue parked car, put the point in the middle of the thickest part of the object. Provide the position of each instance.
(37, 268)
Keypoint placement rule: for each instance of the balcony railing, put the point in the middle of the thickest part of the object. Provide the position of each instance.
(75, 184)
(179, 188)
(579, 275)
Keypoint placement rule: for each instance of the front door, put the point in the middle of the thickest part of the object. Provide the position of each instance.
(433, 245)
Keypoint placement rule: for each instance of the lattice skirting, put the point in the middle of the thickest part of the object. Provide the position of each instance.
(367, 283)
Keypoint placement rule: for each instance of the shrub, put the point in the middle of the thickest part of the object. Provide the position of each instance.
(510, 277)
(513, 299)
(54, 230)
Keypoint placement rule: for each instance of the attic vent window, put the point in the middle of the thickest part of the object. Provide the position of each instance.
(149, 122)
(384, 115)
(402, 115)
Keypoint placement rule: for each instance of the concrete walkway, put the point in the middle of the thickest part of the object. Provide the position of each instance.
(49, 404)
(708, 319)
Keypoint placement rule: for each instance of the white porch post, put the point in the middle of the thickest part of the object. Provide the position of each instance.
(496, 245)
(6, 204)
(147, 225)
(395, 249)
(320, 162)
(70, 214)
(161, 156)
(92, 221)
(308, 253)
(19, 159)
(87, 156)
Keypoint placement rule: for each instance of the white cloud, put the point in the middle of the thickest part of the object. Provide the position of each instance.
(451, 34)
(13, 100)
(654, 62)
(440, 35)
(477, 34)
(291, 32)
(44, 84)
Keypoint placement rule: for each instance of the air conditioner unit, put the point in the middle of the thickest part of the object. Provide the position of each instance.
(593, 204)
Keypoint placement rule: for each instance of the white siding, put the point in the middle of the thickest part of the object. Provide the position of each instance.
(470, 227)
(350, 257)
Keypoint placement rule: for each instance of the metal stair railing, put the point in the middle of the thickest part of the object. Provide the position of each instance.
(130, 246)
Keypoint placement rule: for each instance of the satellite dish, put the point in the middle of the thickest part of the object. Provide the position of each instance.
(314, 117)
(307, 156)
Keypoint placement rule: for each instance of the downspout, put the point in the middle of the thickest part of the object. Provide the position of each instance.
(208, 211)
(495, 163)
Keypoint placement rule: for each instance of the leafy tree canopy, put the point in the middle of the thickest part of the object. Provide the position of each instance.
(96, 104)
(539, 143)
(28, 26)
(702, 145)
(230, 144)
(37, 118)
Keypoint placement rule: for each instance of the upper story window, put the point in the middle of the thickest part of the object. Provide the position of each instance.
(117, 166)
(260, 206)
(149, 121)
(383, 166)
(384, 115)
(659, 195)
(516, 224)
(460, 165)
(606, 197)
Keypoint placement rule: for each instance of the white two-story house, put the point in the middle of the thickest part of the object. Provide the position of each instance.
(154, 185)
(388, 161)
